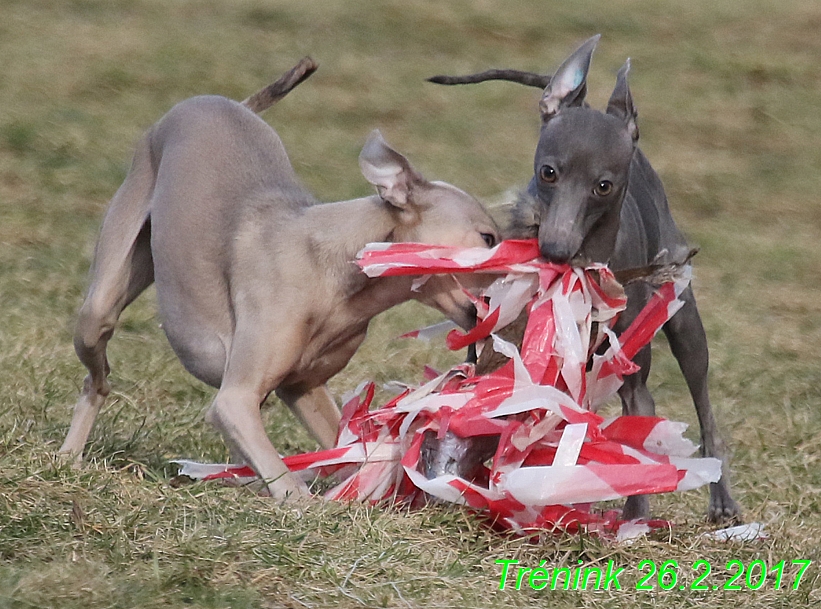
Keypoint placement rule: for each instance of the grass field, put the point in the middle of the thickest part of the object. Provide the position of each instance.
(728, 95)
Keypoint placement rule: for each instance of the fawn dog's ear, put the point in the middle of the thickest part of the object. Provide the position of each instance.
(621, 102)
(568, 86)
(389, 171)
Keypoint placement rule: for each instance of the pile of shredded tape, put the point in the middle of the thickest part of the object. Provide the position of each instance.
(555, 456)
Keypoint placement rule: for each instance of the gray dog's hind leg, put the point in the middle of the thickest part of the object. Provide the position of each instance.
(688, 342)
(123, 268)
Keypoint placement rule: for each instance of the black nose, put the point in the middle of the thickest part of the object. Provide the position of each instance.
(556, 252)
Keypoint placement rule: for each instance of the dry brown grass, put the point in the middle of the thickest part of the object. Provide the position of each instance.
(728, 99)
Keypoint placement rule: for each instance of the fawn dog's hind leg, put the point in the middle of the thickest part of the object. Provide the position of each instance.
(122, 269)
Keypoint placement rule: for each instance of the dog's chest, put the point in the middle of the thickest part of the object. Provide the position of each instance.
(331, 344)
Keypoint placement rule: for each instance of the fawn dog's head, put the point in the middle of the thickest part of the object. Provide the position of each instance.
(429, 212)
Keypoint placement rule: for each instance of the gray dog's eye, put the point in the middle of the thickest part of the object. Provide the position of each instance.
(489, 239)
(603, 188)
(547, 174)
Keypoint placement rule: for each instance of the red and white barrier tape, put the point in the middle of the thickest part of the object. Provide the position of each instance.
(555, 455)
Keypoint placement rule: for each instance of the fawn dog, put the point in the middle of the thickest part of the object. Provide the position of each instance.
(255, 280)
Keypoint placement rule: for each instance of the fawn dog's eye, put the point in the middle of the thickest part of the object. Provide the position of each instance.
(603, 188)
(489, 239)
(547, 174)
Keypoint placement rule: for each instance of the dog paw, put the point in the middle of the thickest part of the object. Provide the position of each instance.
(72, 459)
(723, 508)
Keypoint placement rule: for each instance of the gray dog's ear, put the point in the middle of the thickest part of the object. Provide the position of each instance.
(389, 171)
(569, 84)
(621, 102)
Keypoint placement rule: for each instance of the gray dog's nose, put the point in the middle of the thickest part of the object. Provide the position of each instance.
(556, 252)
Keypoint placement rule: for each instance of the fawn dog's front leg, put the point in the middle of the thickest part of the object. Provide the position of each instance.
(262, 353)
(317, 411)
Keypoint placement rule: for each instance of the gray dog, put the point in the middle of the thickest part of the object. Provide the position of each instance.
(595, 198)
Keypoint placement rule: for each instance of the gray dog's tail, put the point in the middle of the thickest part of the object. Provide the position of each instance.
(529, 79)
(267, 97)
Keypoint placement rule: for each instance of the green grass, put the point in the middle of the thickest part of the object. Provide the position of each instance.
(728, 99)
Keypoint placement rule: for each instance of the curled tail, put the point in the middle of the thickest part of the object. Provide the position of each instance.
(267, 97)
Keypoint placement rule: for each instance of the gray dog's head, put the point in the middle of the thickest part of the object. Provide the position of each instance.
(582, 166)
